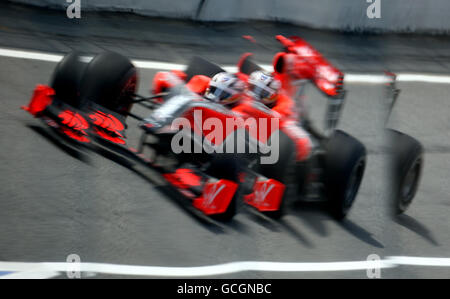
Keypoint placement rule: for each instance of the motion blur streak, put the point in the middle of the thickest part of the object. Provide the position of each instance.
(46, 270)
(146, 64)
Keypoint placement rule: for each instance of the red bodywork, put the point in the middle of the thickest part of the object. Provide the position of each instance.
(74, 125)
(267, 193)
(216, 197)
(216, 194)
(69, 123)
(209, 203)
(107, 126)
(299, 61)
(163, 81)
(266, 196)
(302, 61)
(41, 98)
(183, 178)
(274, 122)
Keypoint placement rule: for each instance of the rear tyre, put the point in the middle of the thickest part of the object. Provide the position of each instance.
(344, 165)
(67, 77)
(407, 163)
(110, 80)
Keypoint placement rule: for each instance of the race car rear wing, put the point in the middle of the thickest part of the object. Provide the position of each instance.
(302, 62)
(305, 62)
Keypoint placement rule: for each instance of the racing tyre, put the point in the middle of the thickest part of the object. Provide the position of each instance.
(407, 163)
(344, 165)
(110, 80)
(67, 77)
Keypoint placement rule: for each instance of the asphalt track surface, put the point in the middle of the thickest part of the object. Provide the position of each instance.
(56, 200)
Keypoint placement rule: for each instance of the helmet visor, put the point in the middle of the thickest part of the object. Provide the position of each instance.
(217, 94)
(261, 91)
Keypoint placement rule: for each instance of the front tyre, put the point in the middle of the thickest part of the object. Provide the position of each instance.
(66, 79)
(110, 80)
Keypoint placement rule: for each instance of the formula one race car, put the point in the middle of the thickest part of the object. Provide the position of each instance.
(89, 103)
(335, 169)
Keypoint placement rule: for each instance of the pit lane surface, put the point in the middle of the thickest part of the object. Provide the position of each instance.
(56, 201)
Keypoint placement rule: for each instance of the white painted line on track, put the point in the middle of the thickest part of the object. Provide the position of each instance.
(165, 66)
(419, 261)
(364, 78)
(48, 270)
(31, 275)
(157, 65)
(221, 269)
(30, 55)
(427, 78)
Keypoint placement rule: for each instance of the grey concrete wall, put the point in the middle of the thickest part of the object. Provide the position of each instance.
(160, 8)
(396, 15)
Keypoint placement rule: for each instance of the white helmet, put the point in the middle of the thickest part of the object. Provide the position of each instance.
(225, 88)
(263, 87)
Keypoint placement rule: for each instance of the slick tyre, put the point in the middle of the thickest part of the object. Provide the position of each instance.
(110, 80)
(406, 168)
(66, 79)
(344, 165)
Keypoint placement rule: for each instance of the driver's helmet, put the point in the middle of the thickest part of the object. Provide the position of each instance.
(263, 87)
(225, 88)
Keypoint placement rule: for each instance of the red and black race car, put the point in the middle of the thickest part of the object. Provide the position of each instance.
(334, 170)
(89, 103)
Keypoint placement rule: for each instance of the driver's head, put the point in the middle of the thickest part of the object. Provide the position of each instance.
(263, 87)
(225, 88)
